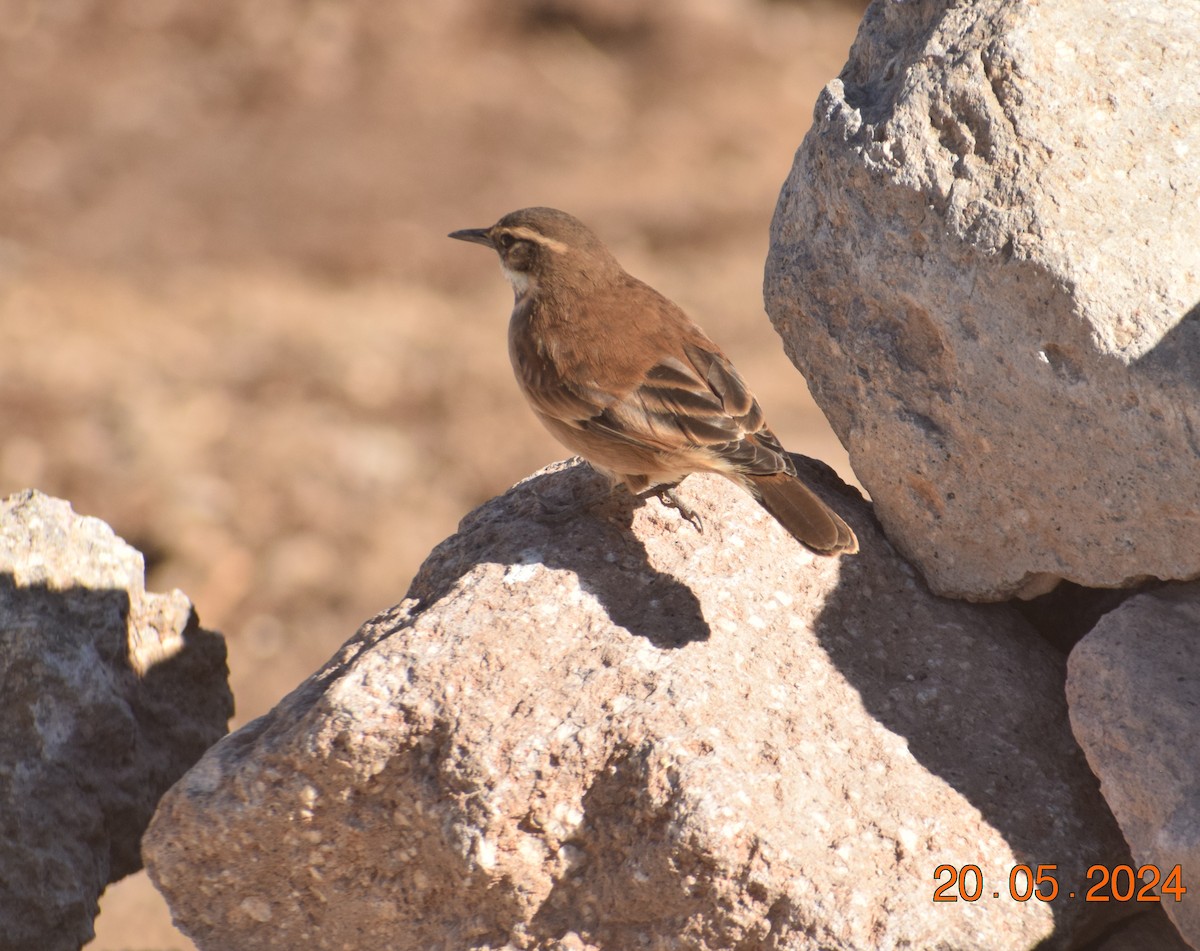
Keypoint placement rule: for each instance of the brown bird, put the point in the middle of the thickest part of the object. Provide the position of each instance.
(623, 377)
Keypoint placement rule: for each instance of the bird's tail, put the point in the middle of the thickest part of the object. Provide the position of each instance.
(798, 509)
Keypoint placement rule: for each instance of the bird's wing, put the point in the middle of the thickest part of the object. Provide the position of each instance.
(684, 402)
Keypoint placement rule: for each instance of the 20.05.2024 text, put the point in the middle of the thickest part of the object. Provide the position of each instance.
(1121, 883)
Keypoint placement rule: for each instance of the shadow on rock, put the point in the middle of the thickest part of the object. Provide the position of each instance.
(978, 696)
(598, 546)
(90, 741)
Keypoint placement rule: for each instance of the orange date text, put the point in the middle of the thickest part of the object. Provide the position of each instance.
(1120, 883)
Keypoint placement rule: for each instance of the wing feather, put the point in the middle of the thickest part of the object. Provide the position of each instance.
(684, 406)
(689, 402)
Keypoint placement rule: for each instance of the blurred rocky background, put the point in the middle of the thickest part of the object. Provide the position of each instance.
(230, 322)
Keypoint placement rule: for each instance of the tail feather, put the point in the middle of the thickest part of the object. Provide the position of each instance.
(798, 509)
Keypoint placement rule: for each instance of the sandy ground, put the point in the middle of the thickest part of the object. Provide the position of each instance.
(231, 324)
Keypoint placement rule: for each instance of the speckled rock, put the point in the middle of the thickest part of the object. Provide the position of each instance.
(109, 693)
(985, 264)
(1134, 695)
(619, 733)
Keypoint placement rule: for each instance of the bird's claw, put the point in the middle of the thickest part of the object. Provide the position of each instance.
(671, 500)
(557, 512)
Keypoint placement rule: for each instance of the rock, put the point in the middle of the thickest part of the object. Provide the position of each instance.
(1149, 931)
(984, 262)
(110, 694)
(1065, 615)
(617, 733)
(1134, 694)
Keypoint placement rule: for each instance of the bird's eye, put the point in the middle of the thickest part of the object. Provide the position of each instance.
(506, 241)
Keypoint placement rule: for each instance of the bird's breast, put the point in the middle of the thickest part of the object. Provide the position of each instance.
(526, 349)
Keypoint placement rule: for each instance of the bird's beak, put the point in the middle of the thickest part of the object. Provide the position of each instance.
(477, 235)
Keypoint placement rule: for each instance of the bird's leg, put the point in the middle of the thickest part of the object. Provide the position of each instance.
(666, 495)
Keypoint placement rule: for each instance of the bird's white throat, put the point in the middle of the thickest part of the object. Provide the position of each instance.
(518, 280)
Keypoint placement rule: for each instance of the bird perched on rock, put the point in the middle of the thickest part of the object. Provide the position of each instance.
(623, 377)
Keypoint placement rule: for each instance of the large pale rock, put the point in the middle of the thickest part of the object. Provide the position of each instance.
(109, 693)
(985, 263)
(618, 733)
(1134, 696)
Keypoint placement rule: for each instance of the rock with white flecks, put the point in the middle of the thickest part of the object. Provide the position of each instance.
(1134, 696)
(985, 263)
(110, 693)
(616, 732)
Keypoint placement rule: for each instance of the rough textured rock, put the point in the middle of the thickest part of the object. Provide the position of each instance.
(1149, 931)
(110, 693)
(985, 263)
(618, 733)
(1134, 695)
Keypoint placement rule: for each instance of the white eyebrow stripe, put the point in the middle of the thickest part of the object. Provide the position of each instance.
(528, 234)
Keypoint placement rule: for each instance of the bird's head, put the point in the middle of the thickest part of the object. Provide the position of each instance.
(543, 245)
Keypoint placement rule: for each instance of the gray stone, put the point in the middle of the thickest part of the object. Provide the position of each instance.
(110, 694)
(1134, 694)
(617, 733)
(985, 263)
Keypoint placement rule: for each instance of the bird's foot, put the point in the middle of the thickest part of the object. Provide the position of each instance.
(666, 495)
(555, 513)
